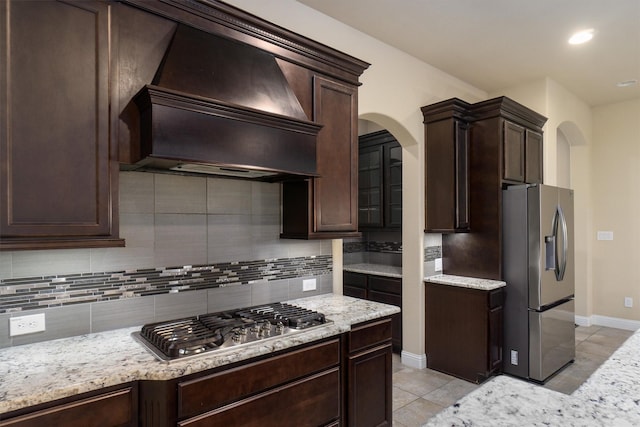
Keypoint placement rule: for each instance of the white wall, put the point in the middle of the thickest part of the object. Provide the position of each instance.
(615, 172)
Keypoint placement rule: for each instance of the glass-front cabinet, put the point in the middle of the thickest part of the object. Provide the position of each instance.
(379, 181)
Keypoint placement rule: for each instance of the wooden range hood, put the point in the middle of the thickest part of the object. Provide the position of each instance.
(222, 107)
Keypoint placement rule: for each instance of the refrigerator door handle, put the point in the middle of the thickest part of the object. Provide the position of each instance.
(560, 265)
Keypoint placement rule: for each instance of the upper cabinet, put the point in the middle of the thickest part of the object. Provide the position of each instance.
(504, 147)
(468, 142)
(325, 207)
(58, 167)
(379, 181)
(446, 127)
(522, 150)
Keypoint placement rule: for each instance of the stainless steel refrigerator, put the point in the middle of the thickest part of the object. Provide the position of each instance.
(538, 267)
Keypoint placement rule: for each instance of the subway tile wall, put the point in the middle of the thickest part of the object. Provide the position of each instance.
(173, 221)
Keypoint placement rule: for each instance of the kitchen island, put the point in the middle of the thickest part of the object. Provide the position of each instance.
(44, 372)
(608, 398)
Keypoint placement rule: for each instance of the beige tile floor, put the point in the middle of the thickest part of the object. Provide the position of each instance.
(419, 394)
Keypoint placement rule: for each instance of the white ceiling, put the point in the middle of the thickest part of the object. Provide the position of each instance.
(497, 44)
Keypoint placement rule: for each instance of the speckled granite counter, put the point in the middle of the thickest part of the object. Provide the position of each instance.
(610, 397)
(377, 269)
(616, 383)
(42, 372)
(505, 401)
(466, 282)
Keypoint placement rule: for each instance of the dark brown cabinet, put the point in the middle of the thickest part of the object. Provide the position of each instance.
(302, 384)
(117, 407)
(379, 181)
(326, 207)
(463, 331)
(369, 376)
(59, 171)
(387, 290)
(472, 151)
(446, 166)
(522, 150)
(338, 381)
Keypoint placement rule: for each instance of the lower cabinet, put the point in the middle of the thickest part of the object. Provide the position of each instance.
(301, 386)
(387, 290)
(369, 365)
(341, 381)
(115, 408)
(463, 331)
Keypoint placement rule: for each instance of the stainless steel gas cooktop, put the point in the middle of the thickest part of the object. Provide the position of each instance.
(182, 338)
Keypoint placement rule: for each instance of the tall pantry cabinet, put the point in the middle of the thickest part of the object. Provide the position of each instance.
(504, 147)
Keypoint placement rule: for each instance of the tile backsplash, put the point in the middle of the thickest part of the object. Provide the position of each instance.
(227, 230)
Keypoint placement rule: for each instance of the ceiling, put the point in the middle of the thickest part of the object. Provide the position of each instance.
(497, 44)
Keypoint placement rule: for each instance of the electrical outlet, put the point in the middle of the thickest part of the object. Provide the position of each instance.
(26, 324)
(438, 264)
(628, 302)
(514, 357)
(308, 285)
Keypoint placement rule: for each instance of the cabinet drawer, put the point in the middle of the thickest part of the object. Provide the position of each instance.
(386, 298)
(369, 335)
(352, 291)
(213, 391)
(115, 409)
(384, 284)
(355, 279)
(314, 401)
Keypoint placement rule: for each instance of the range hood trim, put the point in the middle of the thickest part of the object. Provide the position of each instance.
(152, 96)
(186, 101)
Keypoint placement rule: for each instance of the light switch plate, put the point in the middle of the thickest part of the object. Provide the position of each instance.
(605, 235)
(438, 264)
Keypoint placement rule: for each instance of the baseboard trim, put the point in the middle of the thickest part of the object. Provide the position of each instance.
(610, 322)
(416, 361)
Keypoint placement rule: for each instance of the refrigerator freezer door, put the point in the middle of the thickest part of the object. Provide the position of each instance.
(551, 259)
(552, 340)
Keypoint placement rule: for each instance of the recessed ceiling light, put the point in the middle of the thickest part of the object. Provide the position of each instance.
(581, 36)
(627, 83)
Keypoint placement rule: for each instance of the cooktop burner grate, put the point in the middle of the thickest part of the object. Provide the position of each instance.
(176, 339)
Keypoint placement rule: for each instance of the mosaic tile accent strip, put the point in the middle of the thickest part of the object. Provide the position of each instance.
(432, 252)
(54, 291)
(394, 247)
(351, 247)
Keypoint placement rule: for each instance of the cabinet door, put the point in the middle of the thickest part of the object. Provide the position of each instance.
(533, 157)
(58, 182)
(370, 388)
(370, 190)
(335, 191)
(393, 185)
(447, 176)
(513, 152)
(369, 383)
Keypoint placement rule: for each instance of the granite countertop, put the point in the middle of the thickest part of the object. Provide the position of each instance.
(376, 269)
(466, 282)
(608, 398)
(42, 372)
